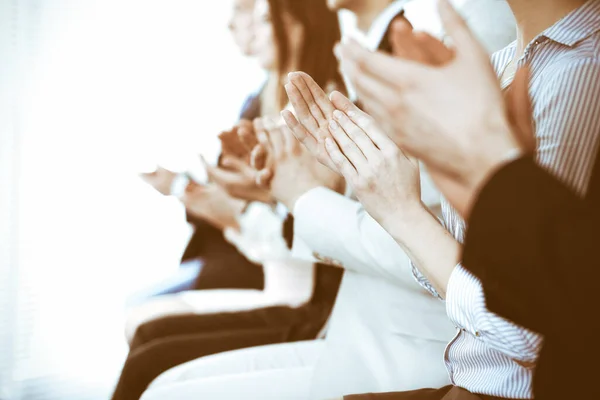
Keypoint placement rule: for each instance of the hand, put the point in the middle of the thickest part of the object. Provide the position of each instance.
(425, 49)
(314, 111)
(238, 180)
(294, 170)
(161, 180)
(239, 141)
(452, 116)
(247, 135)
(213, 204)
(384, 179)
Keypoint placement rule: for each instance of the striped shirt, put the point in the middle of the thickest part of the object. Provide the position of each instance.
(489, 354)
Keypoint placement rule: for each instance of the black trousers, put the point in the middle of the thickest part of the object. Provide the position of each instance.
(167, 342)
(445, 393)
(224, 267)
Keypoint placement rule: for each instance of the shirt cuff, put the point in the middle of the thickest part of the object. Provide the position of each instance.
(462, 282)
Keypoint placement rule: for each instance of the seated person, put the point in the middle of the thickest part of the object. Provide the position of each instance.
(266, 317)
(344, 365)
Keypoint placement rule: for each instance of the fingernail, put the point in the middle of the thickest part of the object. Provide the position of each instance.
(333, 125)
(337, 114)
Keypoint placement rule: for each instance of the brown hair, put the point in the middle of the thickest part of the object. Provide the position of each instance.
(321, 32)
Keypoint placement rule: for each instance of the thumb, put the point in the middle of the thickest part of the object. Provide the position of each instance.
(234, 163)
(457, 29)
(519, 110)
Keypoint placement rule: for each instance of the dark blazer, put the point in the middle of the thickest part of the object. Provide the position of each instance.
(534, 245)
(223, 265)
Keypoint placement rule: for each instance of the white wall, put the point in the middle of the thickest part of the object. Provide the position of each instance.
(111, 85)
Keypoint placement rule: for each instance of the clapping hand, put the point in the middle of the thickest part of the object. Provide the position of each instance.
(383, 178)
(212, 203)
(291, 169)
(238, 179)
(314, 111)
(161, 179)
(443, 105)
(239, 140)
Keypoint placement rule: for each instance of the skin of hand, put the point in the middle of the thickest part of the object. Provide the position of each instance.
(427, 50)
(238, 179)
(294, 170)
(422, 106)
(384, 179)
(247, 135)
(313, 113)
(161, 180)
(213, 204)
(239, 140)
(387, 182)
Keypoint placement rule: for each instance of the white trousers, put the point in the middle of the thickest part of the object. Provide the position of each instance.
(279, 371)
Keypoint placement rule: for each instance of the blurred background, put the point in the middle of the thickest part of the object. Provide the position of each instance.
(92, 92)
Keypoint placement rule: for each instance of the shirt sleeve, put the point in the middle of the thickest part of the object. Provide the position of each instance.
(567, 115)
(424, 282)
(465, 303)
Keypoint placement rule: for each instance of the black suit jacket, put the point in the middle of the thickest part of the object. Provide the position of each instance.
(223, 265)
(534, 245)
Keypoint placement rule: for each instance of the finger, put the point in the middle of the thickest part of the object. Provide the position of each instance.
(276, 139)
(385, 68)
(259, 157)
(219, 176)
(317, 93)
(346, 106)
(340, 161)
(300, 132)
(363, 120)
(351, 151)
(264, 177)
(289, 140)
(437, 53)
(234, 163)
(404, 44)
(247, 136)
(357, 135)
(464, 41)
(301, 108)
(374, 94)
(313, 106)
(520, 111)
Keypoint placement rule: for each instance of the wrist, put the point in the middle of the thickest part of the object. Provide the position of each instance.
(405, 219)
(500, 148)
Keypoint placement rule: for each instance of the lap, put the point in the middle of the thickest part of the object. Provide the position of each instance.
(269, 317)
(147, 362)
(196, 302)
(254, 359)
(445, 393)
(289, 384)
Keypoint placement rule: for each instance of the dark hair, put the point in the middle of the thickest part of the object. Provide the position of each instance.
(321, 32)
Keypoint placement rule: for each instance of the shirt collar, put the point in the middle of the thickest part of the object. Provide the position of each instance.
(576, 26)
(380, 26)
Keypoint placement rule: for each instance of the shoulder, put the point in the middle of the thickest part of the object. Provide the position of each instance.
(567, 64)
(570, 76)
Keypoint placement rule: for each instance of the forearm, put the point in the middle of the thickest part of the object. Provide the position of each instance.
(429, 245)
